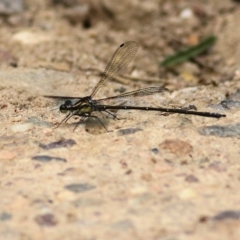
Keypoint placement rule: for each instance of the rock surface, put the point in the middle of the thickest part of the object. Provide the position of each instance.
(152, 175)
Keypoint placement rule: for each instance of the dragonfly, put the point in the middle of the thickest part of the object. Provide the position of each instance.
(84, 107)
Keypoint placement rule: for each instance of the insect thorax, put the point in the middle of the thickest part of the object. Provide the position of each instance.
(85, 108)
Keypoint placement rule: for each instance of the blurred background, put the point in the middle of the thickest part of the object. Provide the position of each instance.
(67, 35)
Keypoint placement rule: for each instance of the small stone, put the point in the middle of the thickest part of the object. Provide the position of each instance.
(191, 179)
(47, 220)
(128, 131)
(177, 147)
(58, 144)
(229, 214)
(187, 194)
(31, 38)
(230, 104)
(21, 127)
(221, 131)
(155, 150)
(47, 131)
(5, 216)
(6, 155)
(79, 187)
(147, 177)
(46, 158)
(186, 13)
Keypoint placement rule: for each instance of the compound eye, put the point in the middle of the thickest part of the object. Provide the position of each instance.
(68, 103)
(63, 108)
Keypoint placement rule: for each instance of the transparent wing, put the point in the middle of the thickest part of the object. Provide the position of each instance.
(120, 59)
(137, 93)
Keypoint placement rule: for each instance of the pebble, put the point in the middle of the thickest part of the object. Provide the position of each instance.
(221, 131)
(31, 38)
(128, 131)
(47, 220)
(187, 194)
(46, 158)
(186, 13)
(21, 127)
(6, 155)
(8, 7)
(177, 146)
(47, 131)
(58, 144)
(155, 150)
(230, 104)
(5, 216)
(228, 214)
(191, 179)
(79, 187)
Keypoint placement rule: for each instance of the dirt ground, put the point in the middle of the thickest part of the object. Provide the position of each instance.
(153, 175)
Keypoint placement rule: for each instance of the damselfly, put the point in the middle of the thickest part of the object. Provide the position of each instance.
(84, 107)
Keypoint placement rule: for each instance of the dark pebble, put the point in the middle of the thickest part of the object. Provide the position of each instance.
(5, 216)
(58, 144)
(191, 179)
(46, 158)
(221, 131)
(203, 219)
(155, 150)
(47, 220)
(79, 187)
(190, 107)
(227, 215)
(127, 131)
(230, 104)
(120, 90)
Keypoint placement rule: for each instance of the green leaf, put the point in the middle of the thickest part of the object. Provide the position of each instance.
(191, 52)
